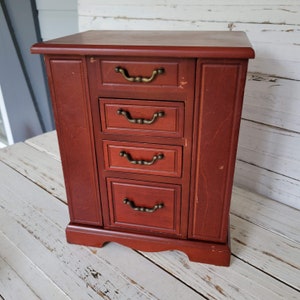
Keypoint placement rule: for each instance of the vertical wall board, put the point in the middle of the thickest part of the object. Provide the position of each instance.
(57, 18)
(22, 18)
(23, 116)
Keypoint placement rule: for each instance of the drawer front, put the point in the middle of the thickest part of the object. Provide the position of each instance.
(163, 79)
(143, 158)
(144, 206)
(137, 117)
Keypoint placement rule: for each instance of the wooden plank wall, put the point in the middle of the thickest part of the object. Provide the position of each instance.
(268, 157)
(57, 18)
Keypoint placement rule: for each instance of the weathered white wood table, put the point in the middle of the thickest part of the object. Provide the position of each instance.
(36, 262)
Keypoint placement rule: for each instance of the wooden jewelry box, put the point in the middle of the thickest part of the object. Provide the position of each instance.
(147, 123)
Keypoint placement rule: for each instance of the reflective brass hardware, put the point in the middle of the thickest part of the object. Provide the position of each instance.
(141, 208)
(127, 115)
(125, 74)
(142, 162)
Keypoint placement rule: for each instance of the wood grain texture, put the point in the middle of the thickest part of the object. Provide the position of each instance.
(164, 220)
(170, 163)
(70, 99)
(11, 285)
(271, 148)
(26, 160)
(143, 43)
(268, 214)
(225, 12)
(30, 276)
(237, 282)
(219, 111)
(268, 183)
(272, 101)
(46, 143)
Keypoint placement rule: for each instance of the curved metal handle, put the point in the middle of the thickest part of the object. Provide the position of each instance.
(141, 208)
(142, 162)
(127, 115)
(124, 72)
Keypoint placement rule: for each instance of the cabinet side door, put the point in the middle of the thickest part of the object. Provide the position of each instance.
(219, 97)
(70, 99)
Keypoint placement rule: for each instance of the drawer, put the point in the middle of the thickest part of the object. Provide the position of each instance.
(163, 160)
(137, 117)
(144, 206)
(156, 76)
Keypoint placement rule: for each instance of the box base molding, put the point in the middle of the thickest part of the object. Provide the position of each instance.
(197, 251)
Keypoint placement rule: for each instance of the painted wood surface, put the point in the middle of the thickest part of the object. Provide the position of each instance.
(265, 260)
(272, 95)
(57, 18)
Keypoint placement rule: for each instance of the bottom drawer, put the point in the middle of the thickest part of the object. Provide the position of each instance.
(143, 206)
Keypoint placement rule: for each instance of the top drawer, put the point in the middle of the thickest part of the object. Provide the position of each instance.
(143, 75)
(139, 72)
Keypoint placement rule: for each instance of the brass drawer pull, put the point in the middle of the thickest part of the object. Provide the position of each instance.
(141, 208)
(124, 72)
(127, 115)
(142, 162)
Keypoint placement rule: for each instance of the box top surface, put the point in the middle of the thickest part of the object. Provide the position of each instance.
(164, 43)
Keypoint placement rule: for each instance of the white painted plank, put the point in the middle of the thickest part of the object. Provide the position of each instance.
(270, 33)
(259, 33)
(275, 186)
(47, 143)
(37, 229)
(54, 24)
(123, 259)
(276, 14)
(271, 148)
(189, 2)
(273, 101)
(42, 254)
(27, 160)
(266, 213)
(32, 276)
(97, 22)
(273, 254)
(275, 67)
(239, 281)
(12, 286)
(264, 49)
